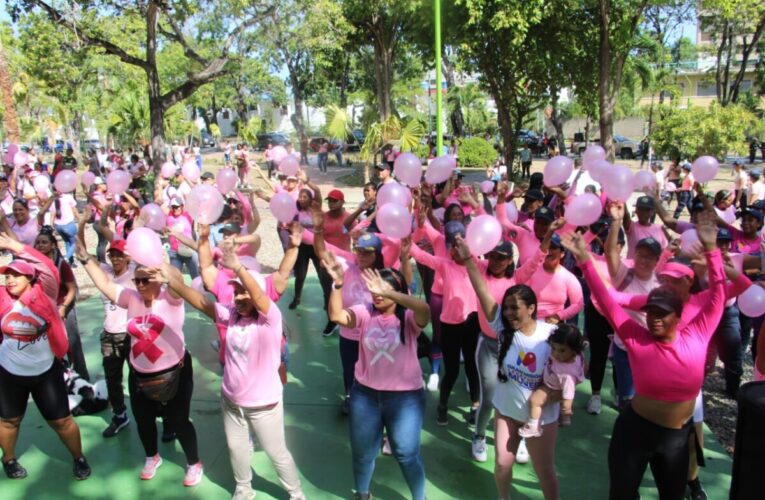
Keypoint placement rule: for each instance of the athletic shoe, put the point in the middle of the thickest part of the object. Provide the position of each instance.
(471, 417)
(243, 493)
(386, 449)
(362, 496)
(150, 467)
(193, 474)
(527, 431)
(118, 423)
(433, 382)
(522, 455)
(295, 302)
(81, 469)
(594, 405)
(14, 470)
(479, 449)
(443, 415)
(329, 329)
(696, 491)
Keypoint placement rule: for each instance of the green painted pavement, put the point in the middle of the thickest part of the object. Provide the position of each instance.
(316, 434)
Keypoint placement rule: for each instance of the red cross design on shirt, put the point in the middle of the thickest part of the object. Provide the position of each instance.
(145, 330)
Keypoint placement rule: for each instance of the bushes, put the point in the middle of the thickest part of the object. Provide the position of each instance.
(476, 152)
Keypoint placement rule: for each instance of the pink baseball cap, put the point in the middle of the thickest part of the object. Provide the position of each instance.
(20, 266)
(676, 270)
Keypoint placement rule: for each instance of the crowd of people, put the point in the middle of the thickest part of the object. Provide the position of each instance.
(509, 318)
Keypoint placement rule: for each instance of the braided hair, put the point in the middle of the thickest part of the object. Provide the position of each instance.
(526, 295)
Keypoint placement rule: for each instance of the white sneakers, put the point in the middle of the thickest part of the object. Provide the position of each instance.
(193, 474)
(522, 455)
(479, 449)
(594, 405)
(433, 382)
(150, 467)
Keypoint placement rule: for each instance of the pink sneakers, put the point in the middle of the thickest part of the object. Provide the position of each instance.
(193, 474)
(150, 467)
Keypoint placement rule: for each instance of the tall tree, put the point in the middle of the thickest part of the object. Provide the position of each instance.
(10, 118)
(185, 23)
(736, 27)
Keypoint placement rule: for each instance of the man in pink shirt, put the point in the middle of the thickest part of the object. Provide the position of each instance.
(636, 231)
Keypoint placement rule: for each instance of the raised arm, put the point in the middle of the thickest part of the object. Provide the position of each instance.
(47, 273)
(207, 268)
(377, 286)
(174, 279)
(611, 247)
(406, 262)
(282, 275)
(231, 261)
(488, 304)
(343, 317)
(45, 208)
(97, 275)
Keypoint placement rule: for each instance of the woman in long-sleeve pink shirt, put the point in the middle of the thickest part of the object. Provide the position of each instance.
(554, 285)
(667, 360)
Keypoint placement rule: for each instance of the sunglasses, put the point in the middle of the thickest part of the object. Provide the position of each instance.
(141, 281)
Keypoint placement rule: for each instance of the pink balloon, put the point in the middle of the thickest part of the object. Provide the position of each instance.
(226, 180)
(278, 153)
(283, 207)
(88, 178)
(645, 181)
(394, 220)
(583, 210)
(393, 192)
(592, 154)
(118, 181)
(670, 187)
(483, 234)
(8, 158)
(487, 187)
(20, 158)
(12, 149)
(705, 168)
(65, 181)
(145, 247)
(689, 241)
(752, 301)
(205, 204)
(557, 170)
(440, 169)
(408, 169)
(153, 217)
(617, 183)
(168, 170)
(41, 184)
(289, 165)
(190, 171)
(512, 211)
(598, 169)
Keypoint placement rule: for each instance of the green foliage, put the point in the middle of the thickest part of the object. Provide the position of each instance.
(249, 132)
(684, 50)
(692, 132)
(406, 134)
(215, 131)
(338, 125)
(477, 152)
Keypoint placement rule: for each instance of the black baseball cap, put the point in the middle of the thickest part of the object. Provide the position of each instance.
(503, 248)
(207, 176)
(723, 234)
(650, 244)
(534, 194)
(383, 166)
(231, 227)
(749, 211)
(644, 202)
(544, 213)
(664, 299)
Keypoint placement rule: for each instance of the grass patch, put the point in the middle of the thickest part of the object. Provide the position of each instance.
(354, 178)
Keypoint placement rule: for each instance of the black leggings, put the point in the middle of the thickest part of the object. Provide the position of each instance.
(48, 391)
(455, 338)
(175, 412)
(115, 348)
(637, 442)
(305, 255)
(597, 329)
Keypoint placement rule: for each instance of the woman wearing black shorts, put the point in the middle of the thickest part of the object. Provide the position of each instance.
(33, 341)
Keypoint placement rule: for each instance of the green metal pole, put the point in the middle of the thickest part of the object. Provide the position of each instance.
(439, 104)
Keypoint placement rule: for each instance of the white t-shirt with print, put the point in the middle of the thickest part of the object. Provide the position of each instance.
(524, 366)
(19, 357)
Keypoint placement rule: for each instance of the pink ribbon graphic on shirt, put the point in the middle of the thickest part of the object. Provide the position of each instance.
(380, 341)
(145, 331)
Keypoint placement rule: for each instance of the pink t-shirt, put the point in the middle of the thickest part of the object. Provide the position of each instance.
(67, 204)
(115, 317)
(436, 240)
(553, 289)
(459, 297)
(564, 376)
(27, 234)
(498, 286)
(666, 371)
(637, 232)
(6, 205)
(525, 239)
(156, 333)
(384, 363)
(101, 198)
(182, 223)
(742, 244)
(253, 355)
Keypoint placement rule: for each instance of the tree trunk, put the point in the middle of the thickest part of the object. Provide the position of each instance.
(214, 118)
(10, 119)
(344, 82)
(557, 122)
(76, 127)
(383, 57)
(456, 117)
(298, 123)
(508, 137)
(605, 90)
(156, 104)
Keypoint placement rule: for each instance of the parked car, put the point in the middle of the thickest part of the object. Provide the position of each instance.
(208, 141)
(275, 138)
(625, 148)
(532, 140)
(93, 144)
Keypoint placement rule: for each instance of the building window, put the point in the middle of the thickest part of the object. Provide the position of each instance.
(665, 94)
(706, 89)
(226, 114)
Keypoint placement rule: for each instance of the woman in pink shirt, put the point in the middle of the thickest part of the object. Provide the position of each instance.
(251, 390)
(180, 221)
(161, 379)
(459, 319)
(22, 227)
(667, 359)
(643, 228)
(555, 285)
(388, 391)
(98, 200)
(64, 215)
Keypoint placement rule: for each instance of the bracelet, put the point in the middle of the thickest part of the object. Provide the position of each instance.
(239, 269)
(85, 261)
(336, 286)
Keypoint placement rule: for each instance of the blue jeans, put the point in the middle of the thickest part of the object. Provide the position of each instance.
(401, 413)
(683, 200)
(323, 161)
(178, 261)
(68, 233)
(624, 386)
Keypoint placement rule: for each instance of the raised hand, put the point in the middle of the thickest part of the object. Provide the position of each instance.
(204, 230)
(296, 234)
(332, 266)
(375, 284)
(8, 243)
(80, 251)
(462, 248)
(406, 245)
(574, 243)
(557, 224)
(229, 260)
(706, 228)
(616, 210)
